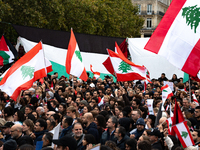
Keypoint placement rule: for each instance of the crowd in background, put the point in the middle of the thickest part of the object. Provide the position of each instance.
(114, 114)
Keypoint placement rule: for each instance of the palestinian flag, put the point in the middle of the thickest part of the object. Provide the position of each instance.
(178, 117)
(183, 133)
(24, 72)
(177, 36)
(7, 52)
(96, 74)
(124, 69)
(55, 43)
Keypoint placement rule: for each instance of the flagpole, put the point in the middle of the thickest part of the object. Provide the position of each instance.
(72, 81)
(190, 89)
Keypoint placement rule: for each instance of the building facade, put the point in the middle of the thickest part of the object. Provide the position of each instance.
(152, 11)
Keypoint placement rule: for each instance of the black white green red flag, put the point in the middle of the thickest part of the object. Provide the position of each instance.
(24, 72)
(7, 52)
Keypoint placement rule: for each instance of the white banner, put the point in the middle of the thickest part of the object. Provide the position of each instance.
(150, 106)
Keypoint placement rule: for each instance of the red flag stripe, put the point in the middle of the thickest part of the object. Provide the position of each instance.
(192, 64)
(164, 87)
(70, 51)
(159, 34)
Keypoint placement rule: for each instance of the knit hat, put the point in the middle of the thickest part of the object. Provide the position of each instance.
(84, 102)
(10, 145)
(140, 121)
(66, 141)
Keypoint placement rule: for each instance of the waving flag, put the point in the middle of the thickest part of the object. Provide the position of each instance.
(7, 52)
(177, 36)
(74, 65)
(124, 69)
(195, 99)
(96, 74)
(166, 93)
(178, 117)
(24, 72)
(184, 134)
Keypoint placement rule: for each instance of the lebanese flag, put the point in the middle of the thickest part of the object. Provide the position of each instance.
(195, 99)
(177, 36)
(96, 74)
(7, 52)
(124, 69)
(166, 93)
(24, 72)
(74, 65)
(183, 133)
(178, 117)
(169, 124)
(108, 64)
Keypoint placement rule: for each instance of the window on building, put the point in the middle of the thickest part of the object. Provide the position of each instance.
(149, 9)
(139, 9)
(149, 23)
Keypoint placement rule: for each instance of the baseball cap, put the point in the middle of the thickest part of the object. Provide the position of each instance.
(66, 141)
(155, 132)
(8, 125)
(92, 85)
(140, 121)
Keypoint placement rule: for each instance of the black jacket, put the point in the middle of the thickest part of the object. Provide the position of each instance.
(121, 143)
(92, 129)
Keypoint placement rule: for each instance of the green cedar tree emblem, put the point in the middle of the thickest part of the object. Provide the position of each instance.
(164, 90)
(192, 16)
(78, 54)
(147, 73)
(184, 134)
(170, 125)
(5, 57)
(124, 67)
(27, 71)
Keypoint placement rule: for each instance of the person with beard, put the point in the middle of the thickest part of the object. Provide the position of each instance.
(155, 139)
(67, 126)
(135, 115)
(136, 103)
(196, 136)
(90, 126)
(140, 127)
(78, 134)
(6, 129)
(16, 132)
(197, 116)
(109, 133)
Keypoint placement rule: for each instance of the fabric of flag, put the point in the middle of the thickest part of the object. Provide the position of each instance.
(125, 70)
(55, 44)
(166, 93)
(170, 39)
(183, 133)
(74, 65)
(96, 75)
(169, 124)
(195, 99)
(178, 117)
(7, 52)
(108, 64)
(24, 72)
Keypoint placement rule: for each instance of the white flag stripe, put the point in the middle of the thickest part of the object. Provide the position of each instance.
(77, 66)
(116, 62)
(16, 77)
(176, 39)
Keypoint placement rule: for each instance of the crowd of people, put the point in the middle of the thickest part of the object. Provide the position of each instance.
(114, 114)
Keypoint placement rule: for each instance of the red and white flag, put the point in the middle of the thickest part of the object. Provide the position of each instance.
(96, 74)
(24, 72)
(124, 69)
(195, 99)
(177, 36)
(169, 124)
(166, 93)
(183, 133)
(74, 65)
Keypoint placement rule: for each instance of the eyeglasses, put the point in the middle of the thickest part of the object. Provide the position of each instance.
(13, 131)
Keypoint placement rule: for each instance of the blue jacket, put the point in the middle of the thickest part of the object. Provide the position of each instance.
(92, 129)
(66, 131)
(39, 136)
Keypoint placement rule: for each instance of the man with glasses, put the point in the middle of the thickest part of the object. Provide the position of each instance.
(16, 132)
